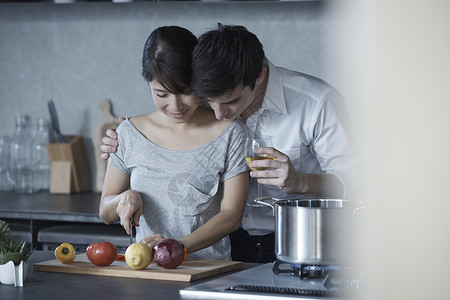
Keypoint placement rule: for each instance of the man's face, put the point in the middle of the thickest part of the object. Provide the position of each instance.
(230, 105)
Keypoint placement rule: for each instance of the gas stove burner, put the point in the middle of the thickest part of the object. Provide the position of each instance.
(303, 270)
(316, 271)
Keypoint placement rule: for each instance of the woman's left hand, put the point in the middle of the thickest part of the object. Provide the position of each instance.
(152, 239)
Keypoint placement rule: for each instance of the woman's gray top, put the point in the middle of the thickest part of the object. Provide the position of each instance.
(181, 189)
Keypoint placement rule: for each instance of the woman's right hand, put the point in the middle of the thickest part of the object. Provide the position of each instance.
(129, 208)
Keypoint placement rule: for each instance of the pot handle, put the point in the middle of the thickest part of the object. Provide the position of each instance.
(261, 200)
(357, 210)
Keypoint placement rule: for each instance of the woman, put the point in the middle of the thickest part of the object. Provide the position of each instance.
(178, 172)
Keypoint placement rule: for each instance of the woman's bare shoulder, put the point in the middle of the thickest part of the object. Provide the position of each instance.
(143, 121)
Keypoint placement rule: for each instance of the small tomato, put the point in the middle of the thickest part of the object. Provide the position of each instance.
(101, 254)
(65, 253)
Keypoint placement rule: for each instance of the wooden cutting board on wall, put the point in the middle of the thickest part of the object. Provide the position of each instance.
(190, 270)
(108, 120)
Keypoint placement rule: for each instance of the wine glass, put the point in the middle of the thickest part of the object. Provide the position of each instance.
(251, 145)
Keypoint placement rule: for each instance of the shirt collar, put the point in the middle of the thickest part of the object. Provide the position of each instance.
(274, 96)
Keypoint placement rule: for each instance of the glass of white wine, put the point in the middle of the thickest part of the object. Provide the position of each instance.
(252, 144)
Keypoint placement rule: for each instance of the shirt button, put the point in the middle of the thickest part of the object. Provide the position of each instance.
(246, 215)
(258, 245)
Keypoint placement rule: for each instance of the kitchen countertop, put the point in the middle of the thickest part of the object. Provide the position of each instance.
(82, 207)
(47, 285)
(43, 218)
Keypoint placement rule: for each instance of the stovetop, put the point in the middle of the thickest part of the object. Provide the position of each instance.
(261, 283)
(303, 270)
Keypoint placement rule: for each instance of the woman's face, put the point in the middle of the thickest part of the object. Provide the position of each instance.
(179, 108)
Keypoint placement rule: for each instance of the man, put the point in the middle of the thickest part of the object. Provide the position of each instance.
(304, 116)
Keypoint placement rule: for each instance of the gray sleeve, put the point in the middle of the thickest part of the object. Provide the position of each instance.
(235, 163)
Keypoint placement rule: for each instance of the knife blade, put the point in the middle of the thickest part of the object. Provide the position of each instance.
(55, 122)
(131, 231)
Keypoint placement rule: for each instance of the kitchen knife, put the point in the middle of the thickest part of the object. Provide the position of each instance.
(131, 231)
(55, 123)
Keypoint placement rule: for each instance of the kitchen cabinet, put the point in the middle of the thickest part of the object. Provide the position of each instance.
(46, 220)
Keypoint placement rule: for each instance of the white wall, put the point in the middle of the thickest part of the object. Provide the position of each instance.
(401, 66)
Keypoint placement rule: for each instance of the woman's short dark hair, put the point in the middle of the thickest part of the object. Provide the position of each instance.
(225, 58)
(167, 58)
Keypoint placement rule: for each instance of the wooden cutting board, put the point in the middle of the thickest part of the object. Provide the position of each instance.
(190, 270)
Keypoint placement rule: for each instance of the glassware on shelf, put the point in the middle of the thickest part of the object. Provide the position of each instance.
(6, 182)
(21, 155)
(41, 165)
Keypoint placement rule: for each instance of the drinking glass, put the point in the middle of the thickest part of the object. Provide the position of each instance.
(252, 144)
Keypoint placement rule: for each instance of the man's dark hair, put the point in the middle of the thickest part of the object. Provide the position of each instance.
(224, 58)
(167, 58)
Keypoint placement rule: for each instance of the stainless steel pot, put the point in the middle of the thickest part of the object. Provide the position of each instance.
(312, 231)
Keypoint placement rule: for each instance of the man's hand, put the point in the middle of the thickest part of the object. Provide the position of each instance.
(109, 143)
(280, 172)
